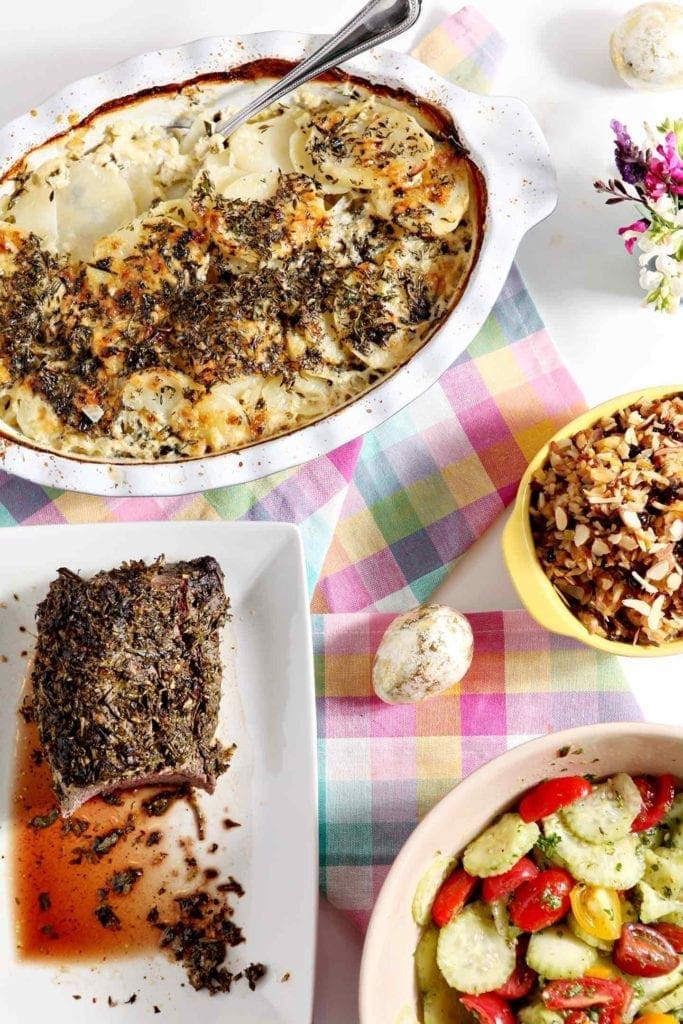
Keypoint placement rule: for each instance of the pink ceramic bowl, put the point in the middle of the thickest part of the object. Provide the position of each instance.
(388, 993)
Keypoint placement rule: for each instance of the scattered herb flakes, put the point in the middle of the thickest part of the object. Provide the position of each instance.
(156, 1009)
(113, 799)
(107, 917)
(286, 976)
(155, 806)
(44, 820)
(122, 882)
(563, 751)
(228, 823)
(210, 874)
(104, 843)
(49, 930)
(4, 659)
(111, 1002)
(253, 973)
(153, 839)
(44, 901)
(213, 848)
(200, 939)
(37, 757)
(75, 826)
(232, 885)
(131, 1000)
(27, 710)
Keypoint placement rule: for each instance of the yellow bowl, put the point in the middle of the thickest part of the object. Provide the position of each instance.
(535, 590)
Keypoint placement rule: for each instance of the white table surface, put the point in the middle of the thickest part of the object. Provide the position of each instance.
(583, 283)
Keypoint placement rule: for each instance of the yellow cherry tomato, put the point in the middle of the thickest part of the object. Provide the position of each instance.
(597, 911)
(603, 971)
(656, 1018)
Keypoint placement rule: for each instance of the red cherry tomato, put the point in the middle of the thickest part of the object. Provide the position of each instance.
(499, 887)
(550, 796)
(522, 979)
(452, 897)
(642, 951)
(657, 795)
(580, 993)
(542, 901)
(489, 1008)
(672, 932)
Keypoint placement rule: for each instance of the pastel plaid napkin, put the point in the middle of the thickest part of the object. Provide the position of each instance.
(382, 768)
(383, 520)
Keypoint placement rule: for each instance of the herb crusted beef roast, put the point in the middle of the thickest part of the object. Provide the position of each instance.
(127, 678)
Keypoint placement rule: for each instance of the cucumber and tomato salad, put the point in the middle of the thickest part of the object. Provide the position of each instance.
(567, 910)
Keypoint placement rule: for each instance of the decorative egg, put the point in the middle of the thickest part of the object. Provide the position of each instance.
(647, 46)
(423, 652)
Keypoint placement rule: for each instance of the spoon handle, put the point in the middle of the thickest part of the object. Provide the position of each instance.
(376, 22)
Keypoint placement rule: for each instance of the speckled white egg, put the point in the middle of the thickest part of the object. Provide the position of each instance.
(423, 652)
(647, 46)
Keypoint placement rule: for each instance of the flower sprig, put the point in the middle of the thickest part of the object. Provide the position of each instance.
(652, 178)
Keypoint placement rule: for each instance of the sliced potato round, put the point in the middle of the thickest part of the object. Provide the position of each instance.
(472, 956)
(264, 145)
(356, 145)
(96, 202)
(500, 846)
(617, 865)
(35, 210)
(654, 906)
(438, 201)
(607, 813)
(428, 886)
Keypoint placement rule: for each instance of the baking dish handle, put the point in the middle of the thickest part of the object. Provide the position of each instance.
(520, 162)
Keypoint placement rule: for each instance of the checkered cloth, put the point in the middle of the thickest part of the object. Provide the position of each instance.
(382, 520)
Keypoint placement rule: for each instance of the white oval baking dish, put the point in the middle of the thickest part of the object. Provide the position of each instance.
(504, 141)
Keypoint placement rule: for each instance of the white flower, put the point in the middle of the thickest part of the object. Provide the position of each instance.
(650, 279)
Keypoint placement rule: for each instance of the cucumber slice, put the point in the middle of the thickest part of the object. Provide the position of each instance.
(606, 814)
(671, 1001)
(649, 990)
(653, 906)
(428, 886)
(603, 944)
(471, 954)
(442, 1006)
(537, 1013)
(501, 919)
(440, 1003)
(664, 872)
(556, 953)
(617, 865)
(500, 847)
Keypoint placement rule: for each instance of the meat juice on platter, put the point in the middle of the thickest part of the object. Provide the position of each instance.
(124, 690)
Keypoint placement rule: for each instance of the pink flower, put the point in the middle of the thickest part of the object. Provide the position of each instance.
(631, 232)
(665, 175)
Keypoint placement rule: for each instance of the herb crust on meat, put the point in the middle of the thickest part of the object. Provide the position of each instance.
(127, 678)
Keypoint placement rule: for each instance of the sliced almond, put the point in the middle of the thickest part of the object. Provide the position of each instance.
(599, 548)
(561, 520)
(641, 607)
(630, 519)
(658, 571)
(581, 534)
(673, 581)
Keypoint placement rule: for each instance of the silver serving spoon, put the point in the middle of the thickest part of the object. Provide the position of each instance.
(376, 22)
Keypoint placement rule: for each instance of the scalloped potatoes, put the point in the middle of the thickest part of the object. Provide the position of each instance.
(166, 294)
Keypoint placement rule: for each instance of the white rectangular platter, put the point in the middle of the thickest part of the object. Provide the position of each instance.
(268, 709)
